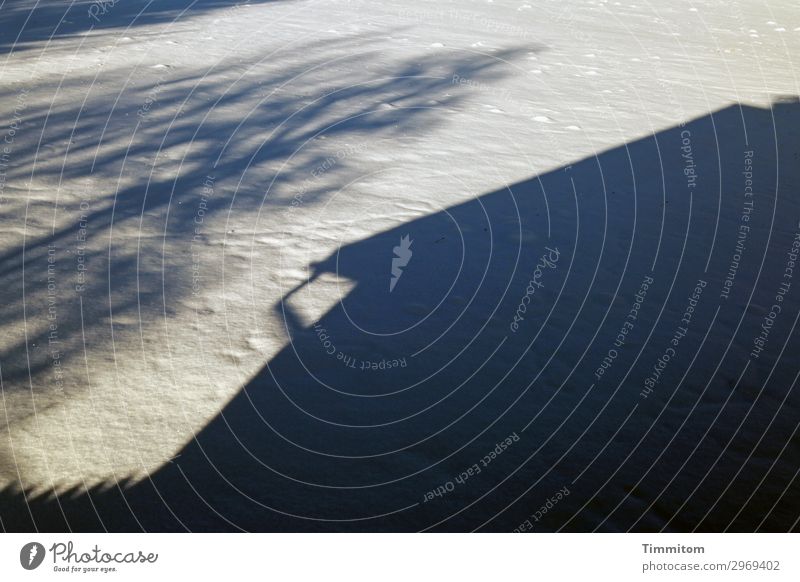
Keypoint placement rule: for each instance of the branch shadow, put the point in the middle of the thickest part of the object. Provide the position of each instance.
(95, 146)
(27, 25)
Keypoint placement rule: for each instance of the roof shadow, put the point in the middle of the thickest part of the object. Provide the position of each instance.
(503, 311)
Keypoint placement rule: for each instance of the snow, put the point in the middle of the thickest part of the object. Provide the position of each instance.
(206, 181)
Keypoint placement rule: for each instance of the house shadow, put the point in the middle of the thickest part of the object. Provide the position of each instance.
(573, 352)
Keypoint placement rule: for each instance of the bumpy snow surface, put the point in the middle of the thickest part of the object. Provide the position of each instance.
(330, 265)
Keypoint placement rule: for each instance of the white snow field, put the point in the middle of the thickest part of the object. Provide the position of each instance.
(329, 265)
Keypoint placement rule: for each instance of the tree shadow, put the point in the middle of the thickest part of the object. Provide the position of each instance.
(170, 159)
(124, 175)
(469, 392)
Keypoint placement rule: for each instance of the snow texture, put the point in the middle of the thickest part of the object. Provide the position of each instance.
(331, 265)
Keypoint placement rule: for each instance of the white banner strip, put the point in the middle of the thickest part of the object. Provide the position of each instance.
(400, 557)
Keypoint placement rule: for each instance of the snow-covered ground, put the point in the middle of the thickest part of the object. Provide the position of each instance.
(291, 265)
